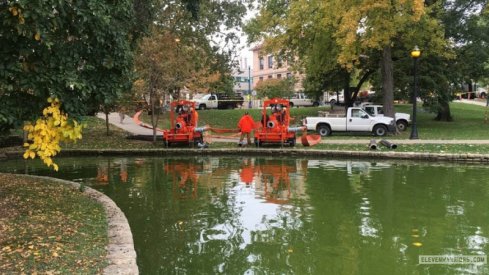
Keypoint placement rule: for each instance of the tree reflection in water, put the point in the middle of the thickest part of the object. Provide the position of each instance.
(278, 215)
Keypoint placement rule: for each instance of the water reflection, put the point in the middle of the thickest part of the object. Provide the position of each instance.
(270, 215)
(184, 178)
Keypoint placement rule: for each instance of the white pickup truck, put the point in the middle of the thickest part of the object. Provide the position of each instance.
(301, 99)
(356, 120)
(218, 101)
(402, 119)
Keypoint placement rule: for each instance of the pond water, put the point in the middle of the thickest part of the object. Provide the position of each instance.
(248, 215)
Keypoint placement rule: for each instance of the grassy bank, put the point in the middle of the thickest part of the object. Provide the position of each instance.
(47, 227)
(95, 137)
(420, 148)
(468, 124)
(228, 119)
(468, 121)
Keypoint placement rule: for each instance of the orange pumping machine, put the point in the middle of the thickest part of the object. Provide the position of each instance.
(183, 125)
(275, 127)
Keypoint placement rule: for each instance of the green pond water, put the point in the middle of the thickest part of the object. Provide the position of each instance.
(246, 215)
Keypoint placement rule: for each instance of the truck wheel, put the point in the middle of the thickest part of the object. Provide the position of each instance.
(332, 102)
(401, 125)
(202, 107)
(324, 130)
(380, 130)
(291, 104)
(315, 104)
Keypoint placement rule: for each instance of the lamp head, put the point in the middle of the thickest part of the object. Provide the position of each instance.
(416, 52)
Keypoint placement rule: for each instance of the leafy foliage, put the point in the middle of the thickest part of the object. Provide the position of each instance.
(47, 133)
(341, 43)
(180, 51)
(442, 75)
(272, 88)
(76, 51)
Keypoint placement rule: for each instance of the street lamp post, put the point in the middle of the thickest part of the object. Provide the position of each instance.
(415, 54)
(249, 80)
(249, 87)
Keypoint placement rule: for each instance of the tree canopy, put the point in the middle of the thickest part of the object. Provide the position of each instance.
(350, 39)
(76, 51)
(275, 88)
(190, 45)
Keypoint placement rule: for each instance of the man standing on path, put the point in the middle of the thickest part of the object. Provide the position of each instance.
(122, 114)
(245, 125)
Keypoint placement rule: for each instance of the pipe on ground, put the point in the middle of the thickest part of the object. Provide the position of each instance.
(372, 145)
(388, 144)
(295, 129)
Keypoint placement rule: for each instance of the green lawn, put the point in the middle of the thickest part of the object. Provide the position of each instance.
(421, 148)
(49, 228)
(228, 119)
(468, 124)
(468, 121)
(95, 137)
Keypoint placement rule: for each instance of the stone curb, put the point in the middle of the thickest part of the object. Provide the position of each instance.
(121, 255)
(466, 157)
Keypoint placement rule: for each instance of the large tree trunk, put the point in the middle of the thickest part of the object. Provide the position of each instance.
(444, 113)
(346, 91)
(387, 81)
(153, 119)
(107, 120)
(364, 78)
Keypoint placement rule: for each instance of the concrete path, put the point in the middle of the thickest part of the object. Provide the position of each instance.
(130, 126)
(127, 125)
(472, 101)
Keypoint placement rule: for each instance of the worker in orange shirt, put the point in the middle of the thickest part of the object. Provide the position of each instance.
(245, 125)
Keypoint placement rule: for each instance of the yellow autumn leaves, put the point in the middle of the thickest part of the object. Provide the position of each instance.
(18, 13)
(48, 131)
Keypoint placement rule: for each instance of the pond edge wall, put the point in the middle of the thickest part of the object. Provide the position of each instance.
(471, 158)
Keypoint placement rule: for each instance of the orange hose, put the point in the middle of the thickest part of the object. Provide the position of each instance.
(222, 131)
(136, 120)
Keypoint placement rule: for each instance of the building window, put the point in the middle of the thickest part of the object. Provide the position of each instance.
(279, 76)
(279, 62)
(270, 76)
(262, 66)
(289, 75)
(270, 61)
